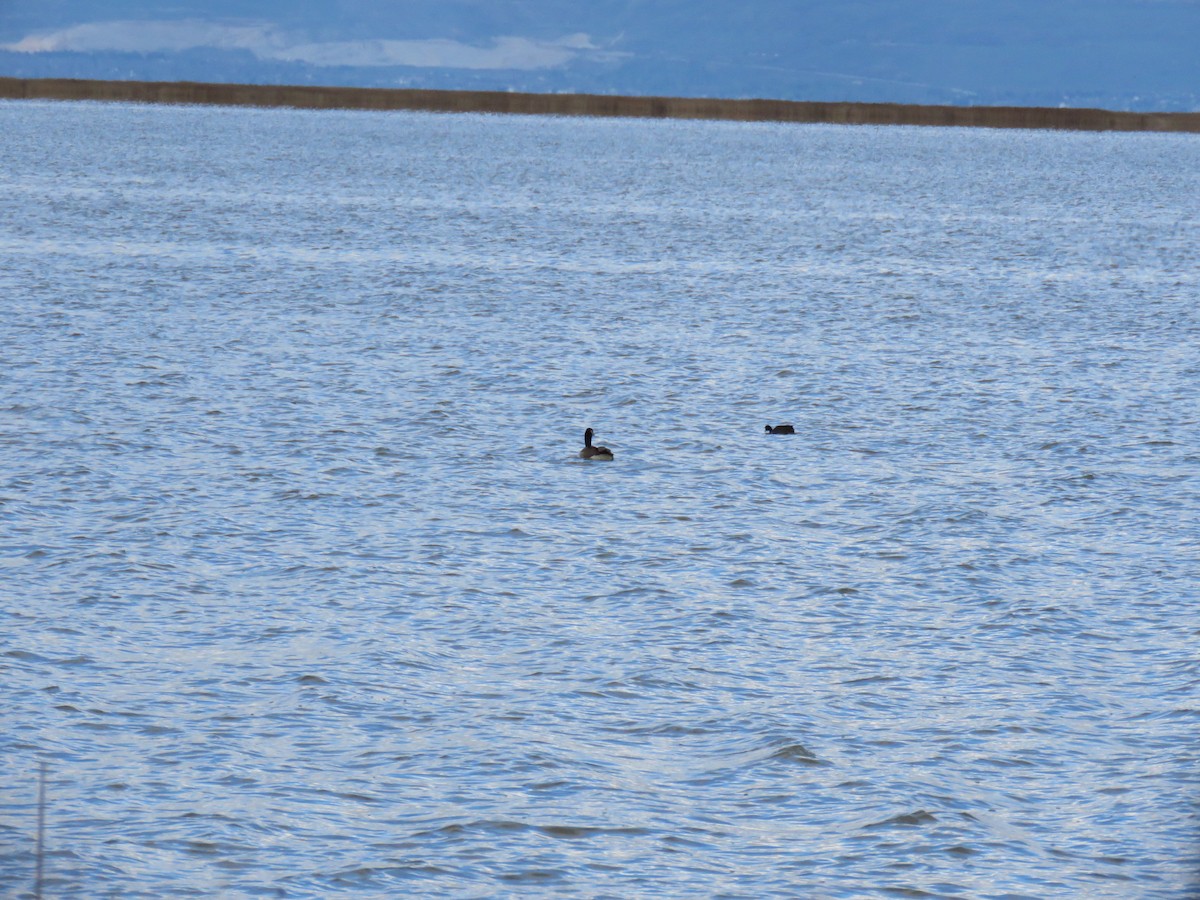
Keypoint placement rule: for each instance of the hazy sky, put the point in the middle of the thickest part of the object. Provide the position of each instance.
(1123, 54)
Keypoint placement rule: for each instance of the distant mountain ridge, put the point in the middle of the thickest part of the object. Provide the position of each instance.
(1117, 54)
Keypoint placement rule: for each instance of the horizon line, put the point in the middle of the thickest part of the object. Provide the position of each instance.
(598, 105)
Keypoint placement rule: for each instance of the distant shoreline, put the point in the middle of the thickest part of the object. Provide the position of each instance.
(310, 97)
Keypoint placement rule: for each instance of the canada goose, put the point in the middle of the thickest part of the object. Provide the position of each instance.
(780, 429)
(590, 452)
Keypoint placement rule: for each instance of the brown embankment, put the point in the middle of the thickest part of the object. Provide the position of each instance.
(305, 97)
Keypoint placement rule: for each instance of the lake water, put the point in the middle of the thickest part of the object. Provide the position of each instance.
(306, 591)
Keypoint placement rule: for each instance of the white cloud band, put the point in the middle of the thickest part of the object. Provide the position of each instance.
(269, 43)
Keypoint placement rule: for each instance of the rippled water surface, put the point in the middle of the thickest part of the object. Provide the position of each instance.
(306, 592)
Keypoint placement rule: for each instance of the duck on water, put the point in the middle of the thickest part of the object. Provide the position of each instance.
(780, 429)
(591, 452)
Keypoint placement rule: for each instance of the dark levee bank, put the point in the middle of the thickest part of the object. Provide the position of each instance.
(306, 97)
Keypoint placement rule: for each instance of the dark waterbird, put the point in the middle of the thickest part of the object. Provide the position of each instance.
(590, 452)
(780, 429)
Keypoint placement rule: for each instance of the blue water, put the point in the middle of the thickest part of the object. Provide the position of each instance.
(306, 591)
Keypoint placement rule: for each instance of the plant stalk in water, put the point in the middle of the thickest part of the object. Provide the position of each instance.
(41, 831)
